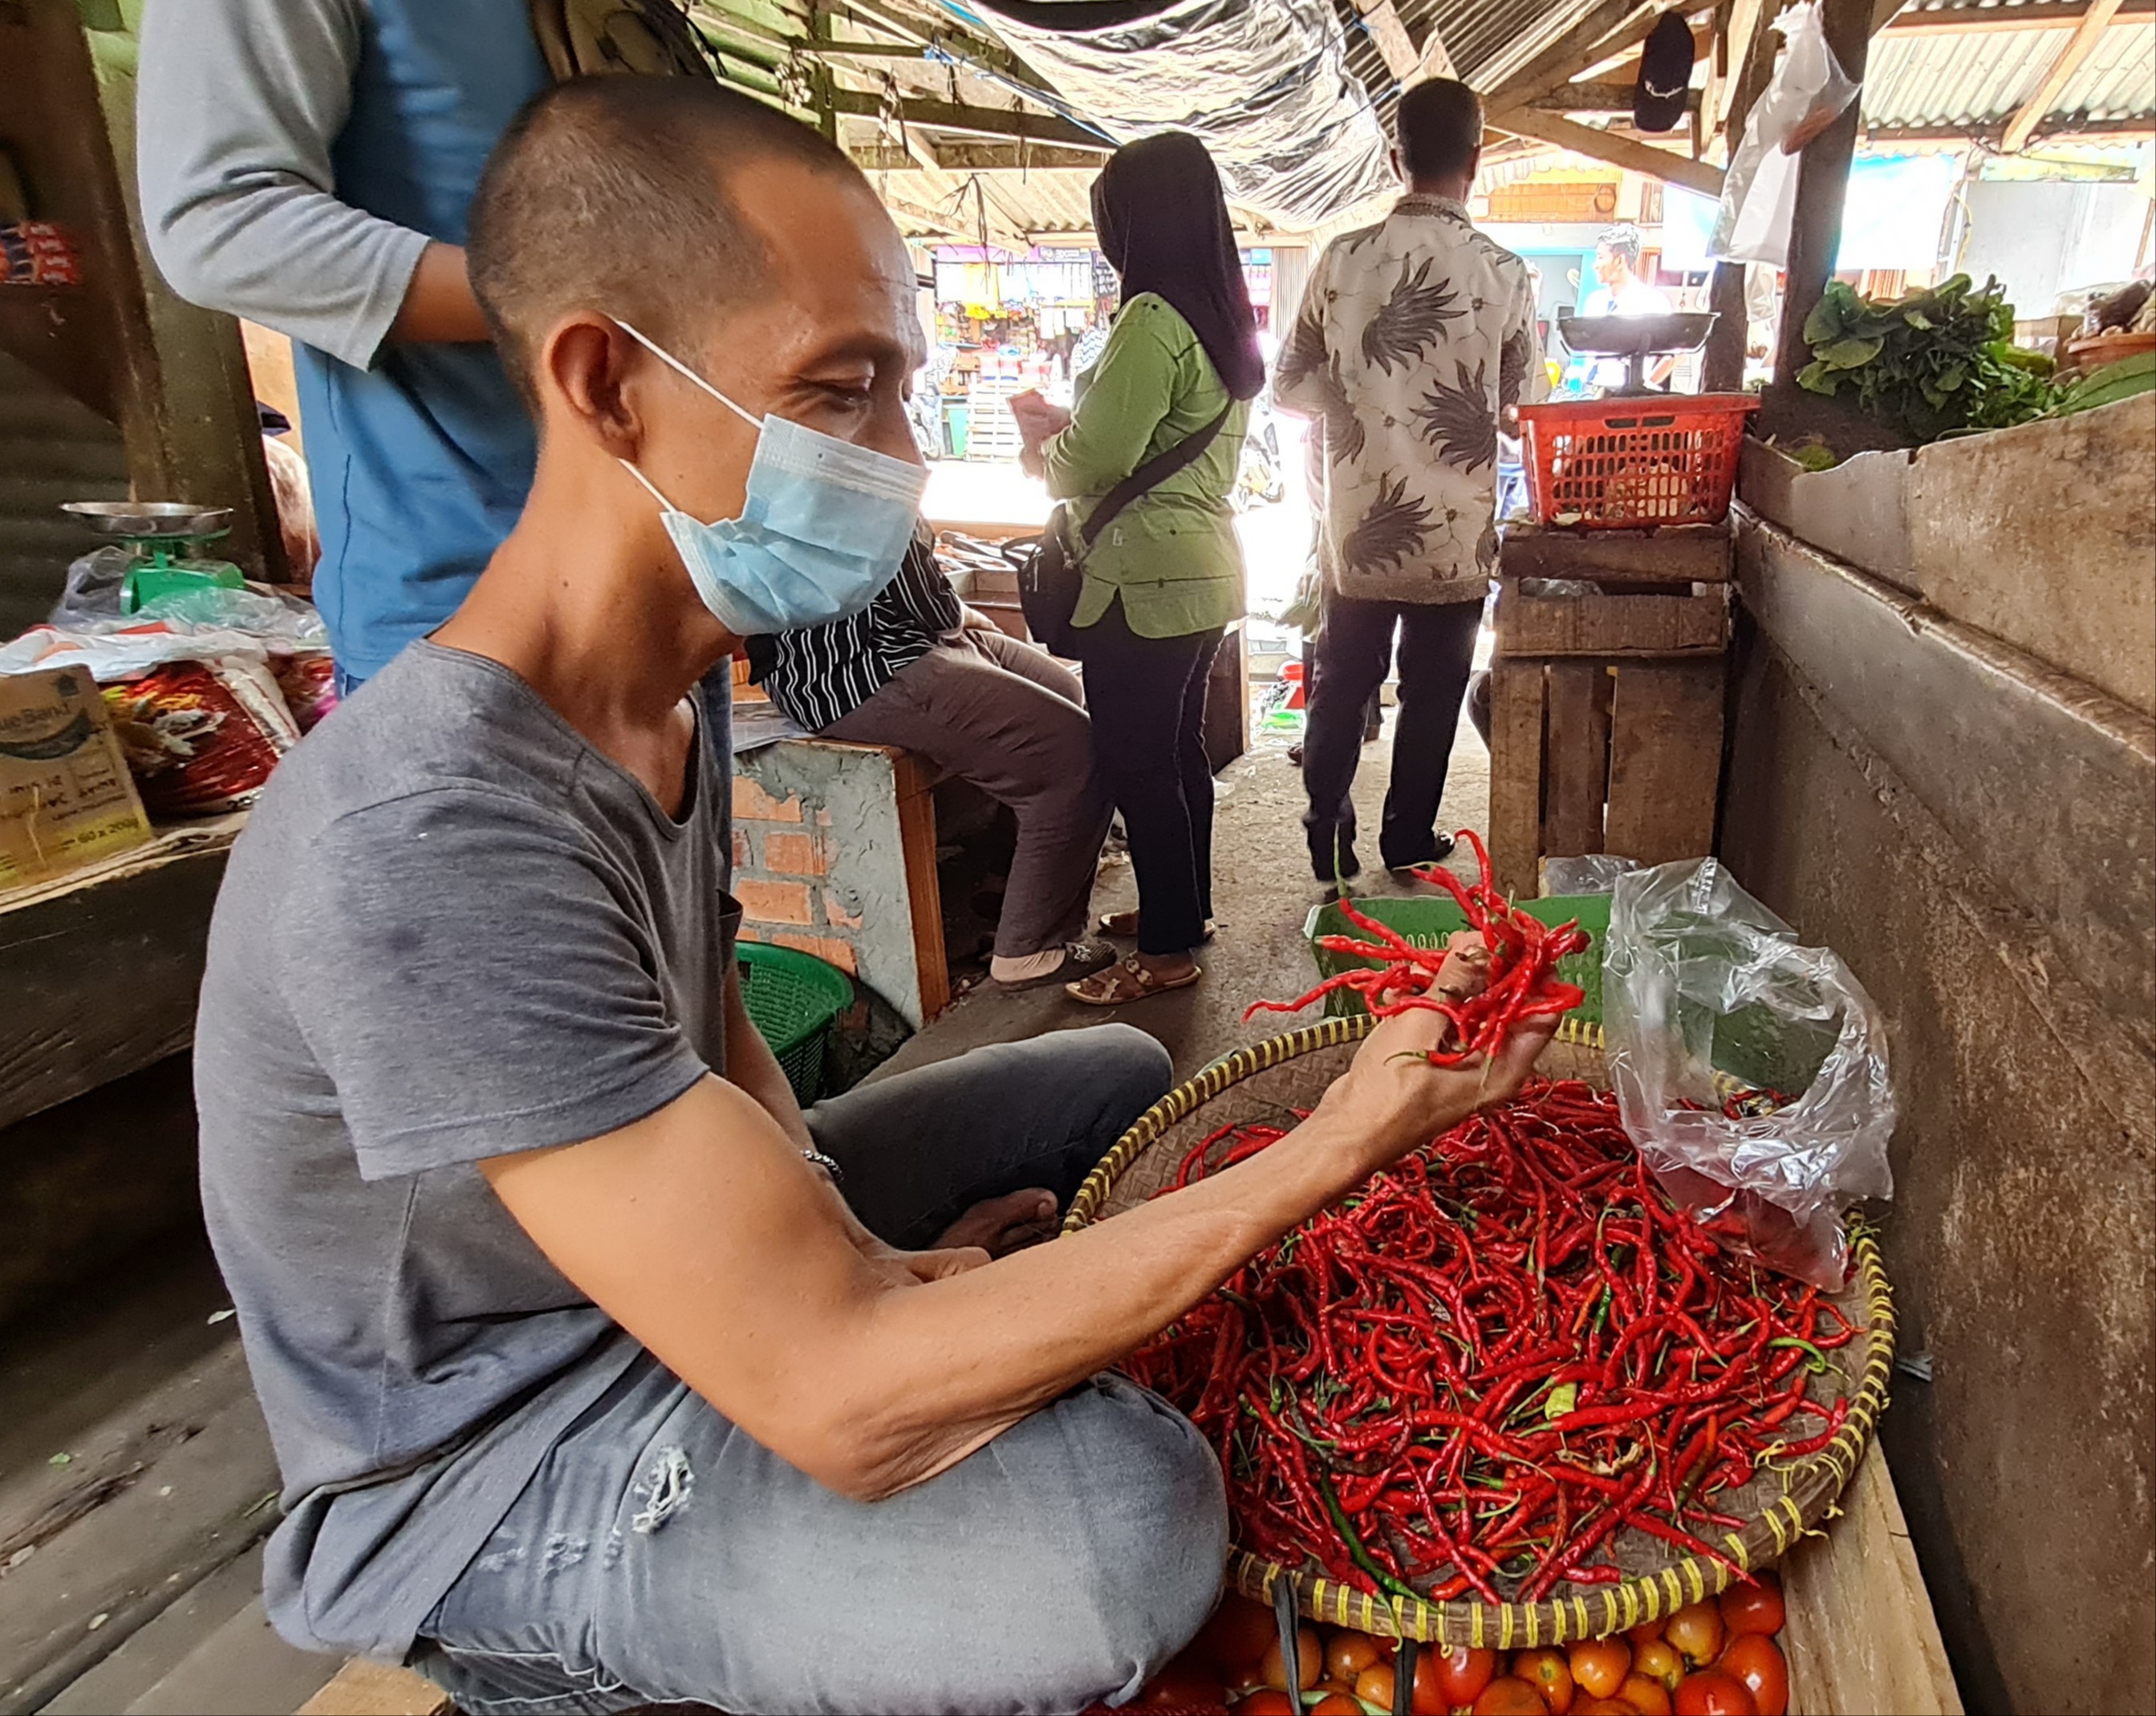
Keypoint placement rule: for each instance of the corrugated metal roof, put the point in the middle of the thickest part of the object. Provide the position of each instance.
(1980, 79)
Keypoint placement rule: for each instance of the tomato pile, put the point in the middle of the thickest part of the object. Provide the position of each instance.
(1521, 982)
(1474, 1373)
(1714, 1659)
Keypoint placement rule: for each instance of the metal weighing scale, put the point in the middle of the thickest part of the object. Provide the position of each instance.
(164, 538)
(1636, 338)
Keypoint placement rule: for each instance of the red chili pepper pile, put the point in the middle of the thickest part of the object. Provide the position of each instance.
(1521, 983)
(1472, 1373)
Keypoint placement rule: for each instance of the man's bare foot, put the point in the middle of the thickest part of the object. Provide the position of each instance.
(1001, 1225)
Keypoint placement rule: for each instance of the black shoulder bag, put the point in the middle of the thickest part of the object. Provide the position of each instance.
(1051, 570)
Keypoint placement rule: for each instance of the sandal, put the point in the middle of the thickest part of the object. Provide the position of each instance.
(1125, 923)
(1125, 980)
(1080, 958)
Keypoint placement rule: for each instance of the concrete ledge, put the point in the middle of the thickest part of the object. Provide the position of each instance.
(2045, 781)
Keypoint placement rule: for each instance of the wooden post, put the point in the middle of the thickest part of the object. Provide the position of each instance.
(1751, 46)
(1822, 187)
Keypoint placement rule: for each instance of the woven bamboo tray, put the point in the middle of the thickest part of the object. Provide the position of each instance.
(1268, 1082)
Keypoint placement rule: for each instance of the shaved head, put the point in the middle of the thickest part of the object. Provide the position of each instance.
(616, 194)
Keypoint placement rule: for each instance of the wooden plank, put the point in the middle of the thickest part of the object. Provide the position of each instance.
(101, 971)
(1625, 625)
(973, 122)
(1666, 759)
(1516, 775)
(1985, 19)
(365, 1688)
(1611, 24)
(1677, 554)
(915, 782)
(2077, 48)
(1861, 1635)
(1626, 152)
(1577, 758)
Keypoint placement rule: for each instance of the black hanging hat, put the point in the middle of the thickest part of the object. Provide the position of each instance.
(1665, 61)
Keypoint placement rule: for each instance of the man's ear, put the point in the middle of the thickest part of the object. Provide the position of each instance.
(1393, 157)
(589, 375)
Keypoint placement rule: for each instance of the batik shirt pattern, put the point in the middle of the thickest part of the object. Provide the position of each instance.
(1413, 335)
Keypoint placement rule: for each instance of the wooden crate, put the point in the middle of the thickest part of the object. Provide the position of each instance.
(1606, 699)
(1591, 756)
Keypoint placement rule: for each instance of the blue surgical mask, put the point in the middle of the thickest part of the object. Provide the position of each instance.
(824, 526)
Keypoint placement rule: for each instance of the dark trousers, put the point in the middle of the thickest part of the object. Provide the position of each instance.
(1354, 649)
(1147, 697)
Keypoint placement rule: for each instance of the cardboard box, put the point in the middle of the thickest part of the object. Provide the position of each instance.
(66, 798)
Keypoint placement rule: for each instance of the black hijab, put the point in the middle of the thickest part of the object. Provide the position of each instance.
(1163, 227)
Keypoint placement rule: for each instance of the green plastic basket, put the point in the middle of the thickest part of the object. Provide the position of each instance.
(792, 1000)
(1425, 920)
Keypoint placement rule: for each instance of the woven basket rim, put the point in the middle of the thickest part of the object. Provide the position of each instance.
(1812, 1484)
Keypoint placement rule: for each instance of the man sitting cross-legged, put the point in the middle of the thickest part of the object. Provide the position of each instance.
(599, 1374)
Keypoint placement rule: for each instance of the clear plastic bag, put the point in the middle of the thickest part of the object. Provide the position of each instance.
(1596, 872)
(1806, 93)
(1750, 1071)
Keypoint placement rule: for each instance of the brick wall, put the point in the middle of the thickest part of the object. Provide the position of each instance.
(782, 877)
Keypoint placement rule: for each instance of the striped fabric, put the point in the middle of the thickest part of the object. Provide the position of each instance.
(823, 674)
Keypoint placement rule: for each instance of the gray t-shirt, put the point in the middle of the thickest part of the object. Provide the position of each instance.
(452, 931)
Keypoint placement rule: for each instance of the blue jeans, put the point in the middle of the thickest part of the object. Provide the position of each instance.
(662, 1555)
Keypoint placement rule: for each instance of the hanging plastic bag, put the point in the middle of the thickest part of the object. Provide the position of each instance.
(1751, 1071)
(1806, 93)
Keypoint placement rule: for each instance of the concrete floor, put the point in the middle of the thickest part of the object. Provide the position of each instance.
(1263, 892)
(135, 1461)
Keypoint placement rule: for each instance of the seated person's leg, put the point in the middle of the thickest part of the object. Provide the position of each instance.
(1007, 718)
(920, 1148)
(664, 1556)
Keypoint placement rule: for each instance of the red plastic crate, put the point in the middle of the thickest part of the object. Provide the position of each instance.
(1628, 463)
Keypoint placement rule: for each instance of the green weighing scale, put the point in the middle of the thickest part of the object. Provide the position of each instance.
(165, 538)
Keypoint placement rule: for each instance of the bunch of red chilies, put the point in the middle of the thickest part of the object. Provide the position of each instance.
(1470, 1374)
(1521, 983)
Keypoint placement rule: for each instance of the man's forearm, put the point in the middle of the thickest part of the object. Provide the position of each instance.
(931, 1375)
(439, 307)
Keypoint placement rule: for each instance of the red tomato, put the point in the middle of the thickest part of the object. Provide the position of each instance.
(1337, 1704)
(1757, 1661)
(1599, 1666)
(1508, 1695)
(1754, 1608)
(1696, 1630)
(1271, 1702)
(1657, 1660)
(1645, 1694)
(1456, 1676)
(1185, 1681)
(1236, 1637)
(1710, 1693)
(1603, 1707)
(1549, 1674)
(1347, 1654)
(1375, 1683)
(1310, 1660)
(1647, 1634)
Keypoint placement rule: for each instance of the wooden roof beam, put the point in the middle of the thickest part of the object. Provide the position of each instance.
(1626, 152)
(2070, 57)
(1005, 123)
(1600, 98)
(1408, 64)
(1984, 20)
(1561, 61)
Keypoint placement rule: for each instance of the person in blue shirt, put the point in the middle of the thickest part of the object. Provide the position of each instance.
(308, 165)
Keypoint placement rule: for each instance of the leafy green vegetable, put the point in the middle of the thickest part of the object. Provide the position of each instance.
(1933, 363)
(2126, 379)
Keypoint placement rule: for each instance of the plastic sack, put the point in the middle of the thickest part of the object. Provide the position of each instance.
(1750, 1072)
(202, 737)
(1806, 93)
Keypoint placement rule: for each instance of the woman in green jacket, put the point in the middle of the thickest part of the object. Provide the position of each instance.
(1166, 576)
